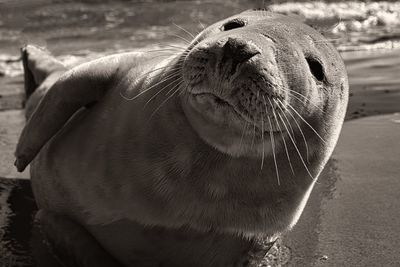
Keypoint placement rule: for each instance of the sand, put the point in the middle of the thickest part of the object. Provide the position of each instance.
(352, 218)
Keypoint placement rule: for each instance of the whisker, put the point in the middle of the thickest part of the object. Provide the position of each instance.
(170, 49)
(182, 48)
(290, 125)
(305, 99)
(161, 54)
(183, 29)
(179, 80)
(169, 76)
(243, 132)
(254, 126)
(254, 134)
(301, 117)
(182, 38)
(178, 66)
(202, 25)
(271, 135)
(283, 138)
(165, 101)
(294, 143)
(301, 132)
(184, 90)
(263, 142)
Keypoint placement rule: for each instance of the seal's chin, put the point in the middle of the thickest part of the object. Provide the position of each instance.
(215, 121)
(220, 124)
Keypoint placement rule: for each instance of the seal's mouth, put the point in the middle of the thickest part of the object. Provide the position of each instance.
(213, 106)
(217, 101)
(220, 104)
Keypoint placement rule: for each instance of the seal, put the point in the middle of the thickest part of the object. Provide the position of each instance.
(184, 160)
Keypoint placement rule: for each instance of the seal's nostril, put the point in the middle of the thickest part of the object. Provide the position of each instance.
(238, 50)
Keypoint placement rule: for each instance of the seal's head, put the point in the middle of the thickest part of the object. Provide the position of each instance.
(266, 88)
(259, 78)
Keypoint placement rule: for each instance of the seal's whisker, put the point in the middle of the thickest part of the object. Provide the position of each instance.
(243, 132)
(298, 126)
(169, 49)
(290, 125)
(182, 55)
(254, 134)
(183, 29)
(263, 142)
(169, 76)
(184, 90)
(202, 25)
(179, 80)
(166, 100)
(294, 143)
(254, 129)
(174, 74)
(284, 143)
(166, 53)
(163, 54)
(182, 38)
(170, 52)
(301, 117)
(177, 67)
(271, 135)
(305, 99)
(182, 48)
(283, 138)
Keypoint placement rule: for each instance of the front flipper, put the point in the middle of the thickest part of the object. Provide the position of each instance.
(68, 243)
(76, 88)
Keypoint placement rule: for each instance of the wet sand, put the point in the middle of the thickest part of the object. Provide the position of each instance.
(374, 78)
(352, 218)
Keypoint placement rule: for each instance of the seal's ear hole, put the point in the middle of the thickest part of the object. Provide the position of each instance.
(316, 68)
(233, 24)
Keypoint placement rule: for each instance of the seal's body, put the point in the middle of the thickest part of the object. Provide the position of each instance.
(226, 138)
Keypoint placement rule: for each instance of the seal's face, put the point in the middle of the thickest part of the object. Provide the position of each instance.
(256, 78)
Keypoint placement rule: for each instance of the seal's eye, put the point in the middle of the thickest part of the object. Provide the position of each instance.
(233, 24)
(316, 68)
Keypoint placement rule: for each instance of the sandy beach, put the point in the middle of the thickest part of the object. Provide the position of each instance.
(352, 216)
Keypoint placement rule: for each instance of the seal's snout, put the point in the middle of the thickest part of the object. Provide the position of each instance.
(238, 51)
(231, 73)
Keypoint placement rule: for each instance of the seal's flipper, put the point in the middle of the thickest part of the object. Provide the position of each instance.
(70, 243)
(38, 63)
(29, 81)
(76, 88)
(41, 71)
